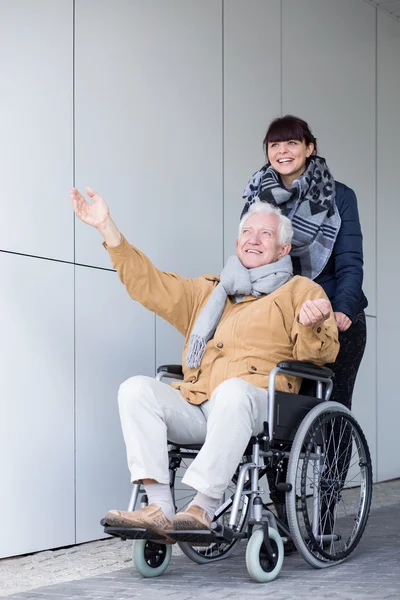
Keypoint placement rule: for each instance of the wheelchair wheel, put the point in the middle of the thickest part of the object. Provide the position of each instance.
(151, 558)
(331, 476)
(261, 567)
(182, 496)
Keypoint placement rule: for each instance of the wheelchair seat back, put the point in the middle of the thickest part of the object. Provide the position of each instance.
(290, 410)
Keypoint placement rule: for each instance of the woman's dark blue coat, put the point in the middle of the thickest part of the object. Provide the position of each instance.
(343, 274)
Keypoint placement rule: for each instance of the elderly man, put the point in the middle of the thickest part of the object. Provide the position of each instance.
(237, 327)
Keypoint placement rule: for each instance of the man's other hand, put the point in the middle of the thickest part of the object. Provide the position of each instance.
(315, 312)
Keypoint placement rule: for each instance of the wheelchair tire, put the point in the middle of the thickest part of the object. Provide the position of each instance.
(261, 567)
(331, 477)
(151, 558)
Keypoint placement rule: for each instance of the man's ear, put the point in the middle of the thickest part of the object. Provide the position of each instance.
(285, 249)
(237, 242)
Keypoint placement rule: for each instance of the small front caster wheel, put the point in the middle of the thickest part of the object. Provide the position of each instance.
(262, 567)
(151, 558)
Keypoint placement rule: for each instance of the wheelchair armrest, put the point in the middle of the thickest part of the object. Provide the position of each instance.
(171, 370)
(306, 368)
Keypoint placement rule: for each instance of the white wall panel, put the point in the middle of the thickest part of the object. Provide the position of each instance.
(169, 344)
(252, 97)
(36, 127)
(328, 71)
(149, 126)
(388, 287)
(114, 341)
(364, 398)
(37, 407)
(149, 130)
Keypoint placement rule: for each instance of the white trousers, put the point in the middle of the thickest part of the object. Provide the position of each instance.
(153, 412)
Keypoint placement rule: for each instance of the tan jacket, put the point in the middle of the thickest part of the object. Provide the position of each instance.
(252, 336)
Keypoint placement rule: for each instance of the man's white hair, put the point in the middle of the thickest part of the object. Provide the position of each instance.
(285, 226)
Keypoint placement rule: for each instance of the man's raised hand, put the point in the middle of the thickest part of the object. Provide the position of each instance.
(95, 214)
(315, 312)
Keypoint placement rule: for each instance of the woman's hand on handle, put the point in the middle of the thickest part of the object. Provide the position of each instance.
(96, 214)
(342, 321)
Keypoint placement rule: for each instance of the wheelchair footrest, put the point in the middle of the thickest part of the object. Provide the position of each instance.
(195, 537)
(128, 533)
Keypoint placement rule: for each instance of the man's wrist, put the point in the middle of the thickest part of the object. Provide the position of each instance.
(112, 236)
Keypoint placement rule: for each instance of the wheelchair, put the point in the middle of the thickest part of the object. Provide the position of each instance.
(320, 462)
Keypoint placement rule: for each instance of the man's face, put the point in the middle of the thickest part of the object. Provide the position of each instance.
(258, 244)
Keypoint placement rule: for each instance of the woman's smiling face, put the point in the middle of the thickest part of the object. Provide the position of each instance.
(289, 158)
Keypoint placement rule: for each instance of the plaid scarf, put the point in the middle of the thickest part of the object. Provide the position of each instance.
(311, 207)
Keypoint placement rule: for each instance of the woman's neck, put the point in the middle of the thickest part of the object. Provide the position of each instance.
(288, 181)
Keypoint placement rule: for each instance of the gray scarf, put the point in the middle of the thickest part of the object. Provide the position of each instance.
(239, 282)
(311, 207)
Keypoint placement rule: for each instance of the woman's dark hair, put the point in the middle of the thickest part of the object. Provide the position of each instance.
(288, 128)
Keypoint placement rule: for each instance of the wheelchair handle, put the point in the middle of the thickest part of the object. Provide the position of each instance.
(169, 372)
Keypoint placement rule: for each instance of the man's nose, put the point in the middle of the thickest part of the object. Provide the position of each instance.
(255, 238)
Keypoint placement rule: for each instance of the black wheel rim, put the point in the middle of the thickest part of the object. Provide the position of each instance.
(154, 554)
(267, 562)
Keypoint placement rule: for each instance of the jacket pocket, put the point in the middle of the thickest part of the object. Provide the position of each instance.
(258, 366)
(257, 371)
(261, 369)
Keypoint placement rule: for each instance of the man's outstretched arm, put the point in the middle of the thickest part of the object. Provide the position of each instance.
(166, 294)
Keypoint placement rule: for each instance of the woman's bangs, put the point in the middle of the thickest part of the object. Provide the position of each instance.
(284, 131)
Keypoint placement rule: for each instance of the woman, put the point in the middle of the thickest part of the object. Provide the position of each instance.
(327, 242)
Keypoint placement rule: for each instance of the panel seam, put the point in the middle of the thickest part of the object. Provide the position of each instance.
(281, 50)
(74, 241)
(376, 244)
(223, 126)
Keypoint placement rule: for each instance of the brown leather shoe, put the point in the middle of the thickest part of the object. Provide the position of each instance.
(194, 517)
(150, 517)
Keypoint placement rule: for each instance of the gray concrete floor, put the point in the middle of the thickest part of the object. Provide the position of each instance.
(102, 569)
